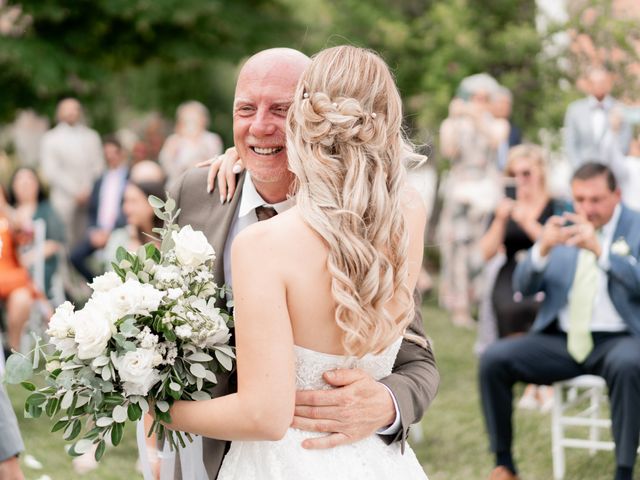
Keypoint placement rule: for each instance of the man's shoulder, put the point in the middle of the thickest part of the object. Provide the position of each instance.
(579, 104)
(192, 184)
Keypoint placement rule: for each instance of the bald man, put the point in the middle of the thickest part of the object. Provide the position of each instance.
(264, 92)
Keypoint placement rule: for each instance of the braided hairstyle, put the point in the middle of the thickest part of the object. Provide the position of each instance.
(346, 147)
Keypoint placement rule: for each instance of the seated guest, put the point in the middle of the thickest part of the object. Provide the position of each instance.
(587, 264)
(28, 198)
(140, 218)
(17, 291)
(105, 207)
(516, 224)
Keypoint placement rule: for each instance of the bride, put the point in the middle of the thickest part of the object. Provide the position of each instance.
(327, 284)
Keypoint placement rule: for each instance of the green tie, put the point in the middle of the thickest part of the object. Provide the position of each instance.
(585, 284)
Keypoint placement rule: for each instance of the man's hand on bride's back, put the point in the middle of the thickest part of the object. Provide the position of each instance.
(357, 408)
(224, 168)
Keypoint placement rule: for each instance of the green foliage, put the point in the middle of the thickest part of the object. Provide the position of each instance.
(141, 55)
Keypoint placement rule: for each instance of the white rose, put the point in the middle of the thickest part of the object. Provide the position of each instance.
(137, 372)
(133, 297)
(620, 247)
(215, 327)
(106, 282)
(61, 322)
(192, 248)
(93, 329)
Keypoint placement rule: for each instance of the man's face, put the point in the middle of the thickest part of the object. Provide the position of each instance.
(600, 84)
(264, 93)
(113, 155)
(69, 111)
(593, 199)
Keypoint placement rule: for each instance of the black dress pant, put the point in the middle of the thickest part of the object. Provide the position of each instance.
(542, 358)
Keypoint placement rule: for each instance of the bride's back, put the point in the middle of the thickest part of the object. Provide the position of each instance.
(303, 256)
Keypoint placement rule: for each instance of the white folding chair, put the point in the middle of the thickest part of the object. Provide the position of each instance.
(578, 402)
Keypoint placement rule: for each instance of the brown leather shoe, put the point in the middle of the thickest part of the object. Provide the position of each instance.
(502, 473)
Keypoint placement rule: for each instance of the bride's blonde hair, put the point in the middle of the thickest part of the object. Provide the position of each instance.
(346, 148)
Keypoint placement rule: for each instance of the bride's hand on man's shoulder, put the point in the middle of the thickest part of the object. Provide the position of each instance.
(224, 168)
(357, 408)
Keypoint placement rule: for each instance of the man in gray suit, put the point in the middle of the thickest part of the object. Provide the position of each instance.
(589, 322)
(359, 406)
(594, 127)
(10, 441)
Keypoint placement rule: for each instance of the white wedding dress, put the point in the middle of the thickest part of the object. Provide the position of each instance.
(285, 459)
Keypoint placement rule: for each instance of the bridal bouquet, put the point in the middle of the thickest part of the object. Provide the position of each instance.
(149, 334)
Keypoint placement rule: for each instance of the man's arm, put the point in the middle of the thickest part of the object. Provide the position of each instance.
(360, 406)
(415, 378)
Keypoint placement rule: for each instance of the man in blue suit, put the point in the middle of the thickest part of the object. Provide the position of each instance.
(588, 266)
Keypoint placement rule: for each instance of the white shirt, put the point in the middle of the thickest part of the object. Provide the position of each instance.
(604, 317)
(71, 157)
(245, 216)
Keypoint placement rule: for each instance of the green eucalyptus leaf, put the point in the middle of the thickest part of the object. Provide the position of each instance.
(155, 202)
(18, 368)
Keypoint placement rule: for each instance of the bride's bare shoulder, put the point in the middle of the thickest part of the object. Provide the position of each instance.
(412, 204)
(272, 236)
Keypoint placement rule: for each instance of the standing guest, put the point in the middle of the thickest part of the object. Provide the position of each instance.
(191, 143)
(105, 207)
(10, 440)
(469, 138)
(501, 107)
(27, 133)
(28, 198)
(71, 157)
(588, 323)
(594, 128)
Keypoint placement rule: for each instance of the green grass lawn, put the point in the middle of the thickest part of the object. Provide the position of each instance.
(455, 446)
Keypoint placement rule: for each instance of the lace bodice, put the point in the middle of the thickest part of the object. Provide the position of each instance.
(310, 365)
(285, 459)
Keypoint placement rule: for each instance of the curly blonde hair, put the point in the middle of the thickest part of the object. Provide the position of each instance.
(346, 148)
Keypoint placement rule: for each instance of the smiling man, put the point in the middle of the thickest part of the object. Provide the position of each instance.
(358, 406)
(587, 264)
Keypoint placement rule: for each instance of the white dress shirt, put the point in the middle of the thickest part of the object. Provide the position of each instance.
(245, 216)
(604, 317)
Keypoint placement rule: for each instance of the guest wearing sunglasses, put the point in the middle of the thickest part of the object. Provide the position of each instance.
(516, 224)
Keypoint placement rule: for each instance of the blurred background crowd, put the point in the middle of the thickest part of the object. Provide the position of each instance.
(104, 103)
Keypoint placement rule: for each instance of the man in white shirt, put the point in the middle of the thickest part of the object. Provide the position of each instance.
(71, 156)
(589, 322)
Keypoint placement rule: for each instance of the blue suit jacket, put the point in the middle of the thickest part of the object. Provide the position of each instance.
(556, 280)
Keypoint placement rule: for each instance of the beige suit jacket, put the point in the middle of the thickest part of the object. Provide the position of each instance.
(415, 378)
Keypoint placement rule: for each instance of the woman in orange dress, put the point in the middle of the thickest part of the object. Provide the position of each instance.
(17, 291)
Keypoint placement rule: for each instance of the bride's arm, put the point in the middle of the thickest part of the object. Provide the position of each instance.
(263, 407)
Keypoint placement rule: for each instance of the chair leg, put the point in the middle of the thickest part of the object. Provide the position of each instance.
(557, 432)
(594, 430)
